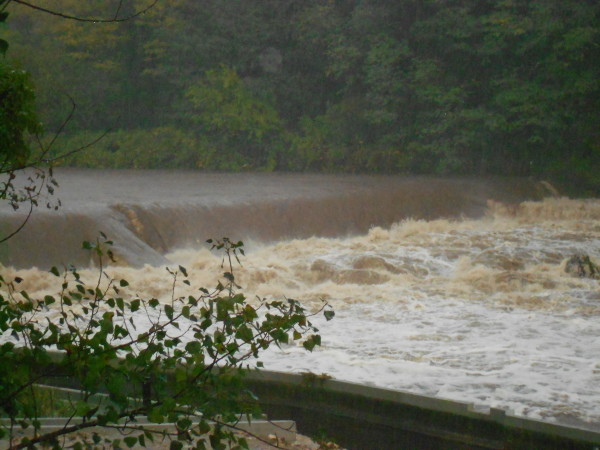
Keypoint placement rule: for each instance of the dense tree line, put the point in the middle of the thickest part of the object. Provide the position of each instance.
(507, 87)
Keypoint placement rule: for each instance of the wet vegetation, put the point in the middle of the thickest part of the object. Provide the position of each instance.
(180, 361)
(467, 87)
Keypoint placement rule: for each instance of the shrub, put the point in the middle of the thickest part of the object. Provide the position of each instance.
(183, 363)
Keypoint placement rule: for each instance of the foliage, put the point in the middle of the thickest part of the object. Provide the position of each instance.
(17, 116)
(180, 361)
(154, 148)
(465, 87)
(238, 127)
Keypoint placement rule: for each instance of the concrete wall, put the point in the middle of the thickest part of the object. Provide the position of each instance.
(363, 417)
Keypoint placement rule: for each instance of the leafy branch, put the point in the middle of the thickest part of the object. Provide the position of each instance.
(180, 360)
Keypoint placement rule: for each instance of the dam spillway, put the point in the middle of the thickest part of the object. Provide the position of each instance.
(453, 288)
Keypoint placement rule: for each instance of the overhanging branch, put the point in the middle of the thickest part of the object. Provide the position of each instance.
(86, 19)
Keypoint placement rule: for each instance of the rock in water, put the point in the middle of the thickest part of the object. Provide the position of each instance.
(582, 266)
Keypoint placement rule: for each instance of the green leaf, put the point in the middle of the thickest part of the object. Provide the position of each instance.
(183, 271)
(311, 342)
(229, 276)
(81, 408)
(155, 416)
(176, 445)
(149, 436)
(130, 441)
(244, 333)
(184, 423)
(203, 427)
(329, 314)
(135, 305)
(250, 313)
(54, 271)
(123, 283)
(201, 445)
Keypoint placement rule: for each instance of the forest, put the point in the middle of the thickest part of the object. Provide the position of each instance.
(462, 87)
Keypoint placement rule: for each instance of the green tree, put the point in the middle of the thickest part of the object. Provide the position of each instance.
(17, 117)
(463, 87)
(238, 129)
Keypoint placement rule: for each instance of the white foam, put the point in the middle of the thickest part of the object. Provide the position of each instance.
(473, 310)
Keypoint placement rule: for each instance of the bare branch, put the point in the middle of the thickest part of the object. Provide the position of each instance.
(20, 227)
(118, 9)
(115, 19)
(45, 149)
(61, 128)
(79, 149)
(31, 198)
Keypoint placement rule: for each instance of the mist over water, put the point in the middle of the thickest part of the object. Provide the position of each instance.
(451, 288)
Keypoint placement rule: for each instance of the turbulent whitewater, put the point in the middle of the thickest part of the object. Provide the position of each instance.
(449, 288)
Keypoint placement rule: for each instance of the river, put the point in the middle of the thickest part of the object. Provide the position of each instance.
(453, 288)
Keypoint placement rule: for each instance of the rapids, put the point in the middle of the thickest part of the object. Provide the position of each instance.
(453, 288)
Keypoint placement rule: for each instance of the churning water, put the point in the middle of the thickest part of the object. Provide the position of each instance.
(451, 288)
